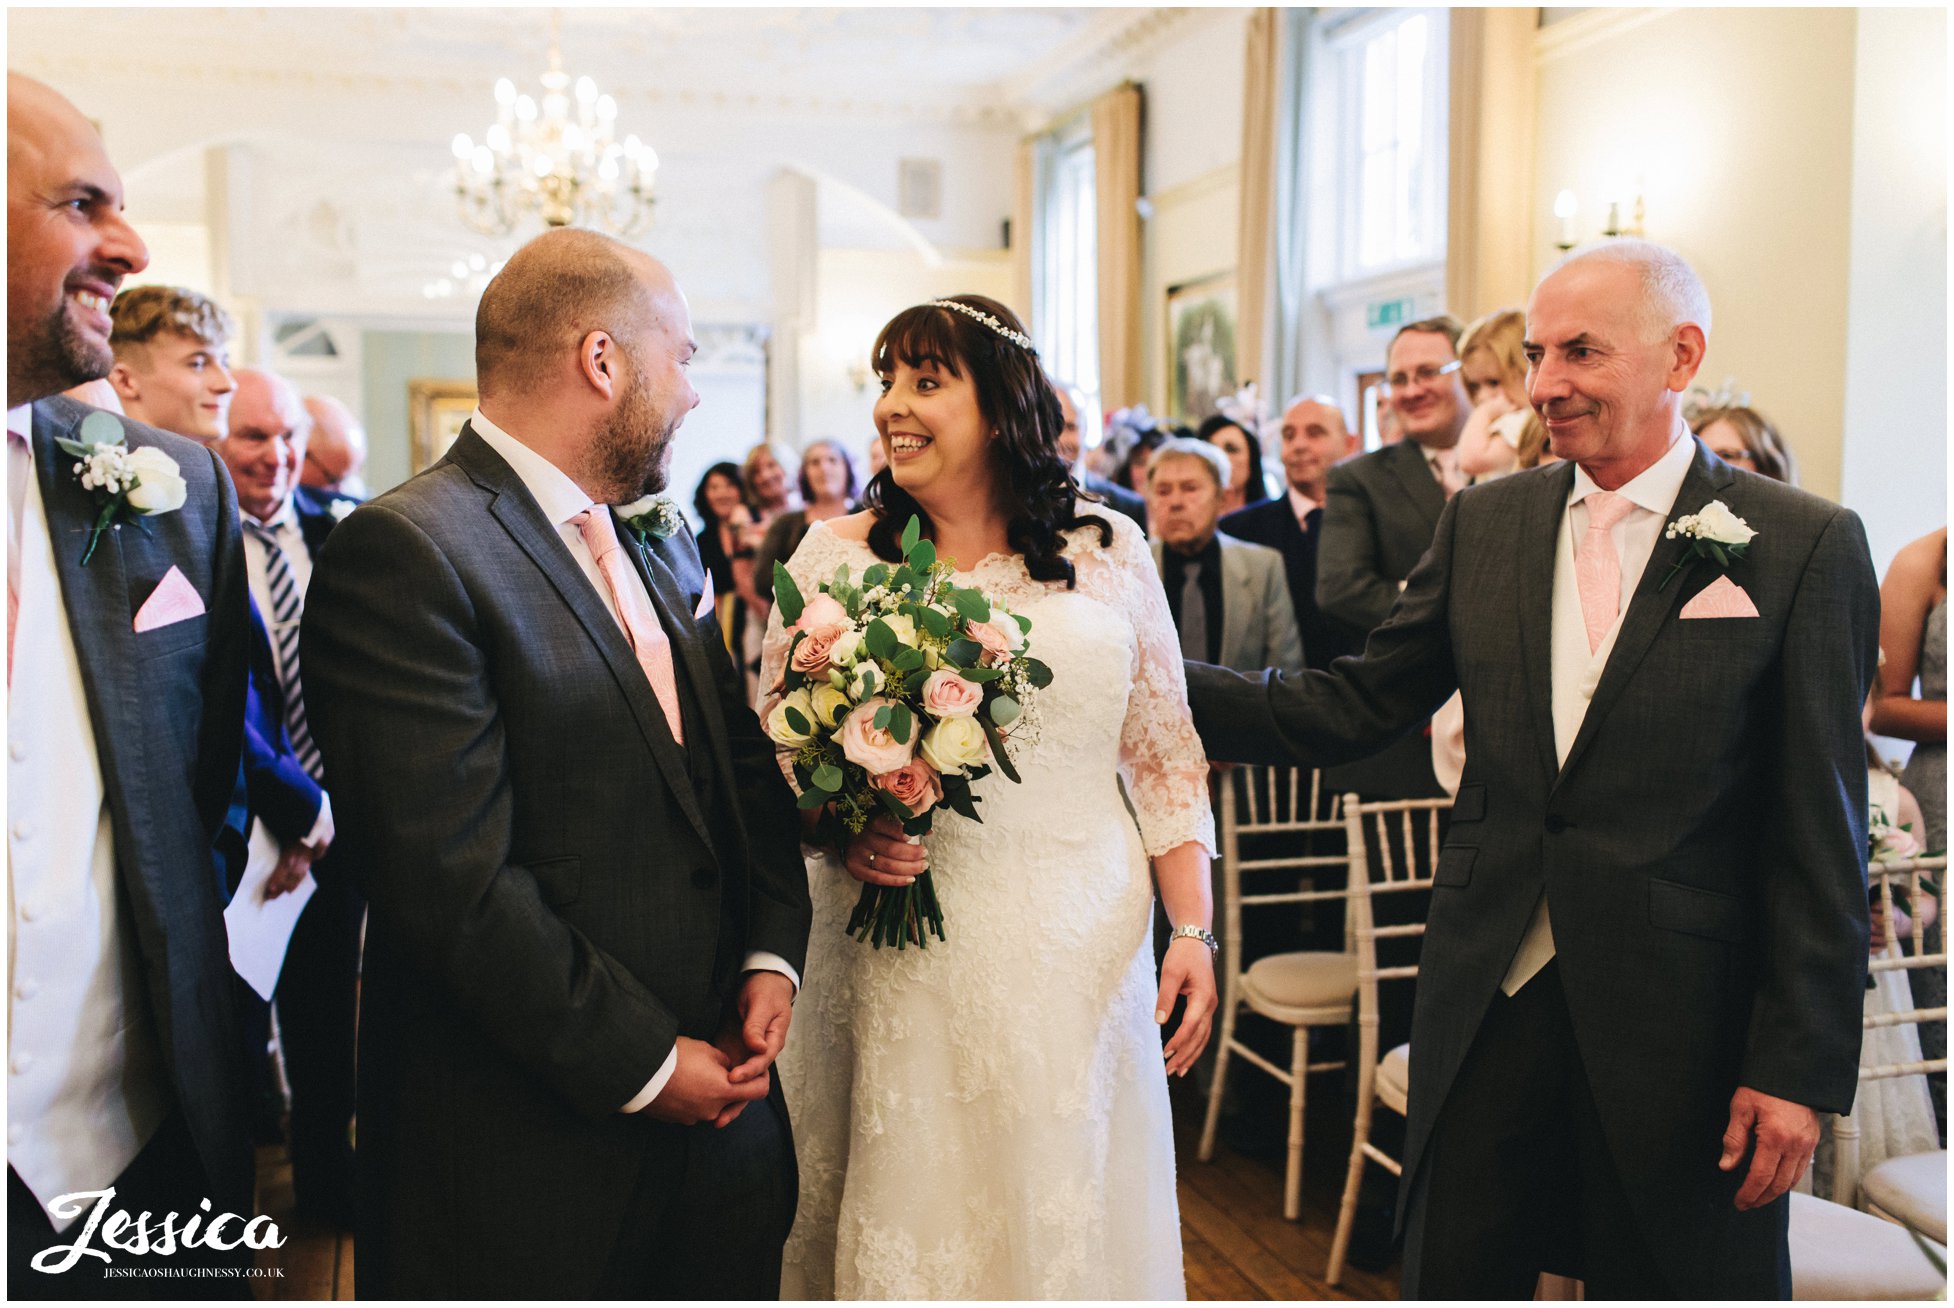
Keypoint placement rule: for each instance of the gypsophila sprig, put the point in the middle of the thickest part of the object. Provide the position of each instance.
(143, 481)
(1714, 533)
(652, 515)
(900, 692)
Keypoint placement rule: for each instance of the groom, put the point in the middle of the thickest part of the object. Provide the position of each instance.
(1645, 957)
(588, 906)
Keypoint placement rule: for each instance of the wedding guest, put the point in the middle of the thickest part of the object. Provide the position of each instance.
(1245, 481)
(337, 449)
(1503, 434)
(1314, 439)
(720, 502)
(172, 360)
(827, 486)
(317, 995)
(767, 491)
(122, 1034)
(1079, 409)
(1132, 469)
(1229, 598)
(877, 457)
(1744, 438)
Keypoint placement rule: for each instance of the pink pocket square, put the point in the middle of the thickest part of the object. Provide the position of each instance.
(1722, 598)
(173, 600)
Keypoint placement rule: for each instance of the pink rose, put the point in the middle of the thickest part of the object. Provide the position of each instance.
(915, 785)
(946, 695)
(998, 644)
(821, 611)
(871, 747)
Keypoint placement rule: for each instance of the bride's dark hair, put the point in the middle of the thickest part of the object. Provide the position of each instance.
(1034, 487)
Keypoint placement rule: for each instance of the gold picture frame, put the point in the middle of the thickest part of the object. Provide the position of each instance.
(1200, 345)
(436, 411)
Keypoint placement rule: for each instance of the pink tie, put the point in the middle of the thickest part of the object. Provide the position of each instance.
(1597, 565)
(648, 639)
(20, 467)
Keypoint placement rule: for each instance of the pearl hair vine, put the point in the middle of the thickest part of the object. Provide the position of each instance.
(978, 315)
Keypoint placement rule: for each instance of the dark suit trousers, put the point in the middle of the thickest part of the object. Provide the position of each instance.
(1518, 1180)
(711, 1211)
(317, 1000)
(167, 1176)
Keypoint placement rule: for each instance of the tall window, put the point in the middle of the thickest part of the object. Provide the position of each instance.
(1390, 140)
(1065, 286)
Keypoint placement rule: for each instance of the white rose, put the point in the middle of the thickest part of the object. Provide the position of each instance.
(846, 652)
(865, 681)
(781, 730)
(830, 706)
(161, 487)
(955, 744)
(1715, 522)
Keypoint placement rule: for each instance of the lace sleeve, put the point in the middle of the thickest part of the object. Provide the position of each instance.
(1161, 758)
(813, 562)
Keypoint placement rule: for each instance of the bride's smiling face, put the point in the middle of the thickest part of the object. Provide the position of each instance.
(937, 438)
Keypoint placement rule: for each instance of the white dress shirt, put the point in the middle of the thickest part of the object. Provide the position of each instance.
(1576, 670)
(1302, 506)
(561, 500)
(284, 527)
(87, 1085)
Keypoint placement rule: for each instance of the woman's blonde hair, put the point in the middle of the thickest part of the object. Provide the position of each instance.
(1502, 334)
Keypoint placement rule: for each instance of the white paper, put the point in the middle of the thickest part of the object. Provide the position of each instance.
(261, 928)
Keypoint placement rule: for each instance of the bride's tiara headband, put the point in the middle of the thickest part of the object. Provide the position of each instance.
(978, 315)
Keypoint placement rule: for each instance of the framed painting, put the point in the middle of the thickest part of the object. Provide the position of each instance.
(436, 411)
(1200, 345)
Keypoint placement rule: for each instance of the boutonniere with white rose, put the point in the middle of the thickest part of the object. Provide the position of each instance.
(654, 516)
(1713, 533)
(142, 482)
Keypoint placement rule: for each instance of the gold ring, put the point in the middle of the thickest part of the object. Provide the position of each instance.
(871, 858)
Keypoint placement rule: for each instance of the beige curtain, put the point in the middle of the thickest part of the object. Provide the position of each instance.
(1022, 200)
(1489, 205)
(1255, 234)
(1116, 181)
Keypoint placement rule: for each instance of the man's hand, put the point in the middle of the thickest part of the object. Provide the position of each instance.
(766, 1008)
(1785, 1133)
(700, 1089)
(293, 864)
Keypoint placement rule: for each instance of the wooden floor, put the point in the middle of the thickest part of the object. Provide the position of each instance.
(1236, 1243)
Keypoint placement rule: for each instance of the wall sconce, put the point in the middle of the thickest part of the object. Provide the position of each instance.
(1566, 206)
(859, 376)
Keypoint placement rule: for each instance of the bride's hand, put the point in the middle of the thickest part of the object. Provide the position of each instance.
(882, 856)
(1187, 971)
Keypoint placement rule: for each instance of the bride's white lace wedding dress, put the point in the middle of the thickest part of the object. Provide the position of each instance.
(987, 1118)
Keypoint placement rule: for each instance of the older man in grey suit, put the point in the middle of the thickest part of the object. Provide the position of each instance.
(588, 906)
(1229, 598)
(1647, 945)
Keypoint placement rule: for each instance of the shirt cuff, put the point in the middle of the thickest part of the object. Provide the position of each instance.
(762, 961)
(322, 828)
(653, 1087)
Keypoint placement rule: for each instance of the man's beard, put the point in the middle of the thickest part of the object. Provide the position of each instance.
(55, 355)
(632, 452)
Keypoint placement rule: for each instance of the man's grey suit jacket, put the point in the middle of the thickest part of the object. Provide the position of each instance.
(1379, 512)
(1258, 623)
(553, 900)
(1703, 847)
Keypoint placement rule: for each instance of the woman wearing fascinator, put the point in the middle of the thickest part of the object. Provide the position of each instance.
(987, 1117)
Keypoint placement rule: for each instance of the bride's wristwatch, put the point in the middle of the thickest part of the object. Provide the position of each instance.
(1201, 934)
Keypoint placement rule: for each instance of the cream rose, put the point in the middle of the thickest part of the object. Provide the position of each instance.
(904, 626)
(830, 705)
(781, 730)
(915, 785)
(846, 652)
(160, 487)
(955, 744)
(871, 747)
(947, 695)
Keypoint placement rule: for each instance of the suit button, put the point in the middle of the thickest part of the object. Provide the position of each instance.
(703, 877)
(1556, 824)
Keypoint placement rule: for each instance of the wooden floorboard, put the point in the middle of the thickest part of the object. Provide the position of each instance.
(1235, 1242)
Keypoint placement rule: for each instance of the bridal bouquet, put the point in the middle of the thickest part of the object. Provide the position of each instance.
(900, 691)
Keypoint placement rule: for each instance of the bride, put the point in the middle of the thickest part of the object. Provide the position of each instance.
(988, 1118)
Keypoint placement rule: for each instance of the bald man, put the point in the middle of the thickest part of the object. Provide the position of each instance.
(588, 906)
(126, 1091)
(337, 450)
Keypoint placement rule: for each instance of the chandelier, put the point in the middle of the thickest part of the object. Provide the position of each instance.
(555, 157)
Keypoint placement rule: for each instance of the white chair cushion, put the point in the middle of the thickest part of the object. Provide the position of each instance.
(1394, 1079)
(1841, 1253)
(1913, 1191)
(1313, 986)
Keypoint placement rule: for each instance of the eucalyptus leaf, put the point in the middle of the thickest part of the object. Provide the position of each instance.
(964, 652)
(900, 722)
(907, 660)
(923, 555)
(881, 638)
(812, 799)
(828, 777)
(1037, 673)
(911, 533)
(973, 605)
(876, 575)
(881, 720)
(998, 755)
(980, 675)
(1005, 710)
(933, 620)
(795, 720)
(786, 594)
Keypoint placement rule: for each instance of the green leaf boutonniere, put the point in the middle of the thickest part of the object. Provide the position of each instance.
(653, 516)
(143, 481)
(1713, 533)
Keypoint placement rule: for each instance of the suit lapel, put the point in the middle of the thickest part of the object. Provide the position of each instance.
(512, 505)
(1653, 604)
(1540, 529)
(1239, 600)
(1415, 475)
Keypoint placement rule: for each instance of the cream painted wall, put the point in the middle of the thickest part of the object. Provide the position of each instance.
(858, 291)
(1192, 233)
(1740, 124)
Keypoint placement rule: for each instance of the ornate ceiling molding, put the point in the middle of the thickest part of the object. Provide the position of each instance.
(1092, 61)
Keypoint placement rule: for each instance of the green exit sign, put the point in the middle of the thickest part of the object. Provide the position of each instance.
(1387, 313)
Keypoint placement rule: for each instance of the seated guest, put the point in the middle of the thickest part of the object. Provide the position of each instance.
(1079, 408)
(1744, 438)
(1244, 451)
(1229, 599)
(1314, 438)
(828, 488)
(336, 450)
(1131, 471)
(1503, 433)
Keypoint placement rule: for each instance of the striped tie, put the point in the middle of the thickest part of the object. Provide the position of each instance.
(286, 604)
